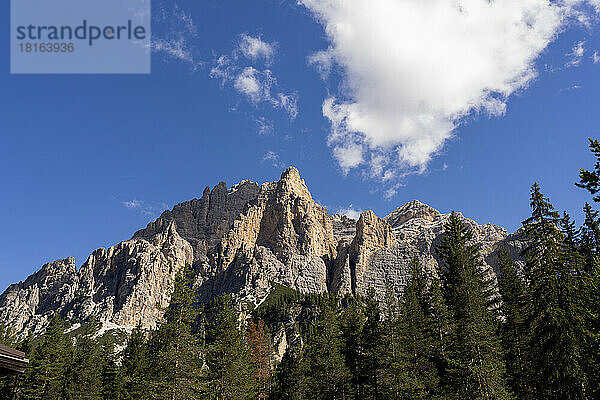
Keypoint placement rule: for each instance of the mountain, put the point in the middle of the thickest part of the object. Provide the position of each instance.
(245, 240)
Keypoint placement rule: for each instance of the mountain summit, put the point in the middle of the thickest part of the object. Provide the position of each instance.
(244, 240)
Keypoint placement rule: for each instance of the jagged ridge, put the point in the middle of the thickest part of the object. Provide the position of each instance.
(243, 240)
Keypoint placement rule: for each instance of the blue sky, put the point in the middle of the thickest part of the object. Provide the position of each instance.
(86, 160)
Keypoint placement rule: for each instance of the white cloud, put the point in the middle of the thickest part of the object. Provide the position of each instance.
(254, 84)
(254, 48)
(143, 207)
(132, 204)
(288, 102)
(259, 86)
(350, 212)
(174, 34)
(265, 126)
(572, 87)
(596, 57)
(412, 70)
(322, 61)
(348, 155)
(576, 55)
(175, 48)
(273, 158)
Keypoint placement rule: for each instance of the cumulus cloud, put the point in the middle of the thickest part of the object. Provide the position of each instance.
(413, 70)
(258, 85)
(254, 48)
(273, 158)
(350, 212)
(595, 57)
(254, 84)
(576, 55)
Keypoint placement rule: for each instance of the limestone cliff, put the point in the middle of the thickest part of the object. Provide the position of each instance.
(243, 240)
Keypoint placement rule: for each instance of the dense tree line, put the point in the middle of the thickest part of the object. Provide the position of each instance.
(457, 334)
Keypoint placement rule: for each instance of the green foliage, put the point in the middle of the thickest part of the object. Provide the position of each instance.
(590, 180)
(230, 372)
(277, 303)
(46, 376)
(418, 337)
(554, 337)
(174, 350)
(513, 330)
(476, 358)
(323, 370)
(83, 368)
(134, 365)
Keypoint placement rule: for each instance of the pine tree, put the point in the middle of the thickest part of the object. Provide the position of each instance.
(476, 353)
(513, 331)
(325, 375)
(230, 372)
(135, 365)
(590, 180)
(175, 353)
(287, 378)
(111, 380)
(83, 369)
(393, 373)
(589, 288)
(553, 347)
(370, 368)
(417, 339)
(589, 295)
(352, 321)
(442, 325)
(45, 377)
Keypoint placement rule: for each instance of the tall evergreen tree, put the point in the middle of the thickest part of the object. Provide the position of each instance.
(590, 283)
(477, 357)
(417, 330)
(393, 374)
(230, 372)
(370, 368)
(589, 295)
(175, 351)
(442, 325)
(553, 347)
(325, 374)
(45, 377)
(83, 370)
(111, 387)
(352, 321)
(135, 365)
(287, 378)
(513, 331)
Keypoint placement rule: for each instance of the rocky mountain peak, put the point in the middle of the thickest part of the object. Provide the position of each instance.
(290, 183)
(413, 209)
(242, 240)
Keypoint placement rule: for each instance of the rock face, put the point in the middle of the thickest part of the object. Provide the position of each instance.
(243, 240)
